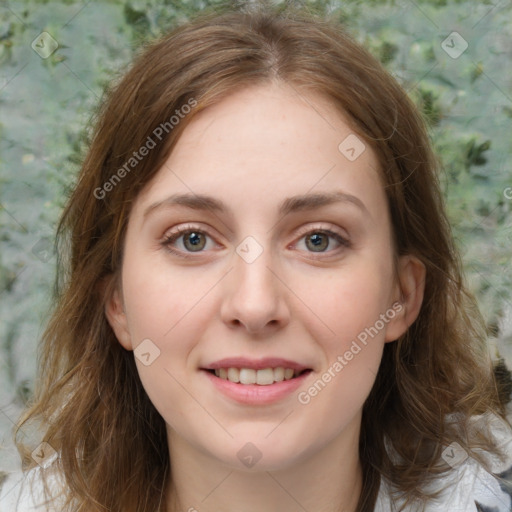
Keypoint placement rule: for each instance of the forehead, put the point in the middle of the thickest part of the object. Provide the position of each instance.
(265, 142)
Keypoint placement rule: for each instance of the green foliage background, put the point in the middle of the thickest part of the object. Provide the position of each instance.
(45, 114)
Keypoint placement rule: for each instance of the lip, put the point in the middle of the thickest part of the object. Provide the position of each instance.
(255, 394)
(256, 364)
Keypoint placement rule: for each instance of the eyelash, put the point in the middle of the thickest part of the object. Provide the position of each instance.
(179, 232)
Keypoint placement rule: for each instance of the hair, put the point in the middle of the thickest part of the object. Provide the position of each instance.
(89, 402)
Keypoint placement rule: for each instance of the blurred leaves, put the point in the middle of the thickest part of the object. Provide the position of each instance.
(475, 154)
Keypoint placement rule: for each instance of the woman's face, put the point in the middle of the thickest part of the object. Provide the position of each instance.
(286, 267)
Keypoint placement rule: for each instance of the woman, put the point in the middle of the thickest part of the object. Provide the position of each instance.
(264, 309)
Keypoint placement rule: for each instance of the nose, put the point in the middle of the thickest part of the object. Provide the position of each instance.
(255, 297)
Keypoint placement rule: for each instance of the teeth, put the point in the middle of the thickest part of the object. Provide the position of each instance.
(265, 377)
(233, 374)
(247, 376)
(262, 377)
(278, 374)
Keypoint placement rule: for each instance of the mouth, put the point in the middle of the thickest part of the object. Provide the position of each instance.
(260, 377)
(256, 382)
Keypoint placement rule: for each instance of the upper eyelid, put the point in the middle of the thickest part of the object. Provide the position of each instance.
(328, 227)
(180, 230)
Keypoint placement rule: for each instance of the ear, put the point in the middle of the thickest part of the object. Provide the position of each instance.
(116, 315)
(409, 294)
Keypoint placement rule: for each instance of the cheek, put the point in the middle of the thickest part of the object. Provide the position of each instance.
(355, 306)
(349, 302)
(171, 308)
(164, 305)
(159, 299)
(352, 351)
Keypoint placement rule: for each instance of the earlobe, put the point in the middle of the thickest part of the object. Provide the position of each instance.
(410, 291)
(116, 316)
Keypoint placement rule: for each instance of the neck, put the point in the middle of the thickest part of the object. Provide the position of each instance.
(328, 480)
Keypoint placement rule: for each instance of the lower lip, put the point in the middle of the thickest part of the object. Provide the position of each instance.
(255, 394)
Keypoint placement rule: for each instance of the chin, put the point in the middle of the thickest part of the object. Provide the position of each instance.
(255, 453)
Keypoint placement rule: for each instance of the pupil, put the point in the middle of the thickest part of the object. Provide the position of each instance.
(195, 240)
(194, 237)
(318, 241)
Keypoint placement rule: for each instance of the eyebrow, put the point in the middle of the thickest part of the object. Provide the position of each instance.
(293, 204)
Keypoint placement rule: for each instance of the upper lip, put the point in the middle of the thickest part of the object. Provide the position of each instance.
(256, 364)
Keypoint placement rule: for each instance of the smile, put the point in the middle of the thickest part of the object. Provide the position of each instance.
(263, 377)
(256, 381)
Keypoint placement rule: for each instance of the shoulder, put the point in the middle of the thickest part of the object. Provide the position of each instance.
(468, 487)
(24, 492)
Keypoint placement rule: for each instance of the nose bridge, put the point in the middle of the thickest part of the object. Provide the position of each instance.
(253, 262)
(254, 296)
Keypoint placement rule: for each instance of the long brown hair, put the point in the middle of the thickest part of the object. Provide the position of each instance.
(89, 401)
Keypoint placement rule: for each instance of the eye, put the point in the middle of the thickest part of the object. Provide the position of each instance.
(319, 240)
(193, 240)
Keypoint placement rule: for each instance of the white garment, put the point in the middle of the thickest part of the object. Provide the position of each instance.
(469, 484)
(25, 492)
